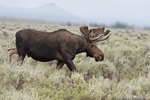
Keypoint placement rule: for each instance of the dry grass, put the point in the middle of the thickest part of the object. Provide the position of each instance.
(124, 74)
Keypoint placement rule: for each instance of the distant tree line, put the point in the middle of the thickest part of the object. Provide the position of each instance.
(121, 25)
(146, 28)
(117, 25)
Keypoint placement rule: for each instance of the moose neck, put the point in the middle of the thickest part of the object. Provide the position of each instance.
(83, 46)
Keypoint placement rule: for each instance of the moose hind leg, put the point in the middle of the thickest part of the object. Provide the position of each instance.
(9, 55)
(20, 60)
(11, 51)
(59, 65)
(21, 56)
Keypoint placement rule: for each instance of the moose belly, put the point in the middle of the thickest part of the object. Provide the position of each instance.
(41, 56)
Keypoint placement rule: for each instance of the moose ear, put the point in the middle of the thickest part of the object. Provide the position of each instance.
(84, 30)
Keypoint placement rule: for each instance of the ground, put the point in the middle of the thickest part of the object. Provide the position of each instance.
(124, 74)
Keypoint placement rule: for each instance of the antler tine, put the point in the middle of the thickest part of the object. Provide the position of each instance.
(94, 39)
(95, 32)
(107, 36)
(101, 34)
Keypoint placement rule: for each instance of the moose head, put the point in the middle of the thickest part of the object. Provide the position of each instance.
(92, 36)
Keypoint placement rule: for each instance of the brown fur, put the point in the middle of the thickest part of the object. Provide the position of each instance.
(60, 45)
(11, 51)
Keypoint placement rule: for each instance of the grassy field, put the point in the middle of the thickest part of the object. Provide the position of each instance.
(124, 74)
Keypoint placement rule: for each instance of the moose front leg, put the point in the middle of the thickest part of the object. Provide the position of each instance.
(59, 65)
(71, 65)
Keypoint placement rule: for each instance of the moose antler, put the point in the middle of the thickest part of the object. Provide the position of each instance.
(104, 37)
(97, 34)
(85, 32)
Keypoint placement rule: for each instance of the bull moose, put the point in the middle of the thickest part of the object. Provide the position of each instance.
(60, 45)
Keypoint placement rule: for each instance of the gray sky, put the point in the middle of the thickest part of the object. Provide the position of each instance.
(133, 12)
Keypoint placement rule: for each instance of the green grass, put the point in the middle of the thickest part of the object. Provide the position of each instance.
(125, 72)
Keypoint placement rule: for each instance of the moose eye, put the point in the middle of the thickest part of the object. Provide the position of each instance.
(92, 46)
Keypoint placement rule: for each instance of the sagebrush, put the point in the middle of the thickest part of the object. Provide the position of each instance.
(125, 71)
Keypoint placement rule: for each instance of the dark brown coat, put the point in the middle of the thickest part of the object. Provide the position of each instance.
(60, 45)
